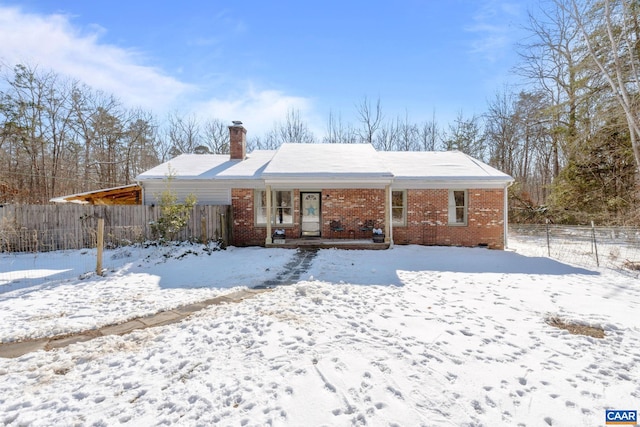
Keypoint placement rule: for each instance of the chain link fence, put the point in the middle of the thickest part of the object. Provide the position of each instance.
(616, 248)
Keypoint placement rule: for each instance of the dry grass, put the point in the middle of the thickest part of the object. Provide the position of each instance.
(576, 328)
(631, 265)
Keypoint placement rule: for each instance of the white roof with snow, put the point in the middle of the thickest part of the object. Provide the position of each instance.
(210, 166)
(438, 165)
(326, 163)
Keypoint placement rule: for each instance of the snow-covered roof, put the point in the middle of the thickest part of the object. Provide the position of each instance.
(210, 166)
(331, 162)
(438, 165)
(326, 161)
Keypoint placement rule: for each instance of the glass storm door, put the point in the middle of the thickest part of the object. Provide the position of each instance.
(310, 212)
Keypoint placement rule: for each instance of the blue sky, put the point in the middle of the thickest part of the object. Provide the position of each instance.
(254, 60)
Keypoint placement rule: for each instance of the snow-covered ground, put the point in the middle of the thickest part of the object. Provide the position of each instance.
(410, 336)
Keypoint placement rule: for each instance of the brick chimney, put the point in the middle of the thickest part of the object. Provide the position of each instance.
(237, 141)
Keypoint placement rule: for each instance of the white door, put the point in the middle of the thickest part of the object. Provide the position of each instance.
(310, 213)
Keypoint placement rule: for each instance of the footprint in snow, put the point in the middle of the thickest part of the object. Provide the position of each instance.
(489, 402)
(395, 392)
(477, 406)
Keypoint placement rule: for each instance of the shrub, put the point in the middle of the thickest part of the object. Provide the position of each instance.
(174, 216)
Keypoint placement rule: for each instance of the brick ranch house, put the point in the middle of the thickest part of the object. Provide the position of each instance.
(329, 191)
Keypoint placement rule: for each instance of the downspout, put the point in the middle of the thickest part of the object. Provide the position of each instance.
(268, 240)
(506, 214)
(388, 228)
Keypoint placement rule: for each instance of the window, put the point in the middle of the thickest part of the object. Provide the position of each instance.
(399, 207)
(281, 207)
(458, 201)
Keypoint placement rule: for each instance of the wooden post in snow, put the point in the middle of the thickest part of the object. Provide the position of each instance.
(223, 229)
(100, 246)
(594, 242)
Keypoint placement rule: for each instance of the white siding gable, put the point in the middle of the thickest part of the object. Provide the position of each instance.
(205, 191)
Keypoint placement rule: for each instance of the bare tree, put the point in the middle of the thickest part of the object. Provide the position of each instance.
(429, 135)
(534, 166)
(293, 129)
(59, 137)
(88, 106)
(35, 110)
(183, 133)
(466, 135)
(338, 132)
(371, 118)
(503, 132)
(610, 31)
(258, 142)
(139, 138)
(387, 138)
(407, 134)
(108, 128)
(216, 135)
(552, 61)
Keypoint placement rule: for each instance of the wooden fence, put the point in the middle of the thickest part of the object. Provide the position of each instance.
(41, 228)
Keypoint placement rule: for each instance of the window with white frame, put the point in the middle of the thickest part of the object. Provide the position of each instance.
(458, 203)
(399, 207)
(281, 207)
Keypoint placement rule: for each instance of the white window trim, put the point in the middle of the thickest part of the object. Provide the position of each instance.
(257, 196)
(402, 223)
(452, 208)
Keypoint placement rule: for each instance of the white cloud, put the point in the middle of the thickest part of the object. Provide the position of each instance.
(257, 109)
(52, 42)
(493, 26)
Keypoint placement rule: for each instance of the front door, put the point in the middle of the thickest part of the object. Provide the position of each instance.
(310, 213)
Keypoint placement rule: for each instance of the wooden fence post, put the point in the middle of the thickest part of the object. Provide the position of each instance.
(223, 229)
(594, 242)
(548, 243)
(203, 229)
(100, 246)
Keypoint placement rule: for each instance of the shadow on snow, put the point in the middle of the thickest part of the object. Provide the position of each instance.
(382, 267)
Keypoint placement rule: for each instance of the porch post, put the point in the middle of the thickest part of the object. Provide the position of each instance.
(268, 240)
(505, 218)
(387, 214)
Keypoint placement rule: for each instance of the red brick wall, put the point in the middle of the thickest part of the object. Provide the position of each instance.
(427, 216)
(428, 219)
(244, 232)
(352, 207)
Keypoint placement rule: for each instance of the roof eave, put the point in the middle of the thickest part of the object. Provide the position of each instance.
(327, 175)
(452, 182)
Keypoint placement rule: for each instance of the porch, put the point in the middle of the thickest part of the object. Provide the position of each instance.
(326, 217)
(322, 243)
